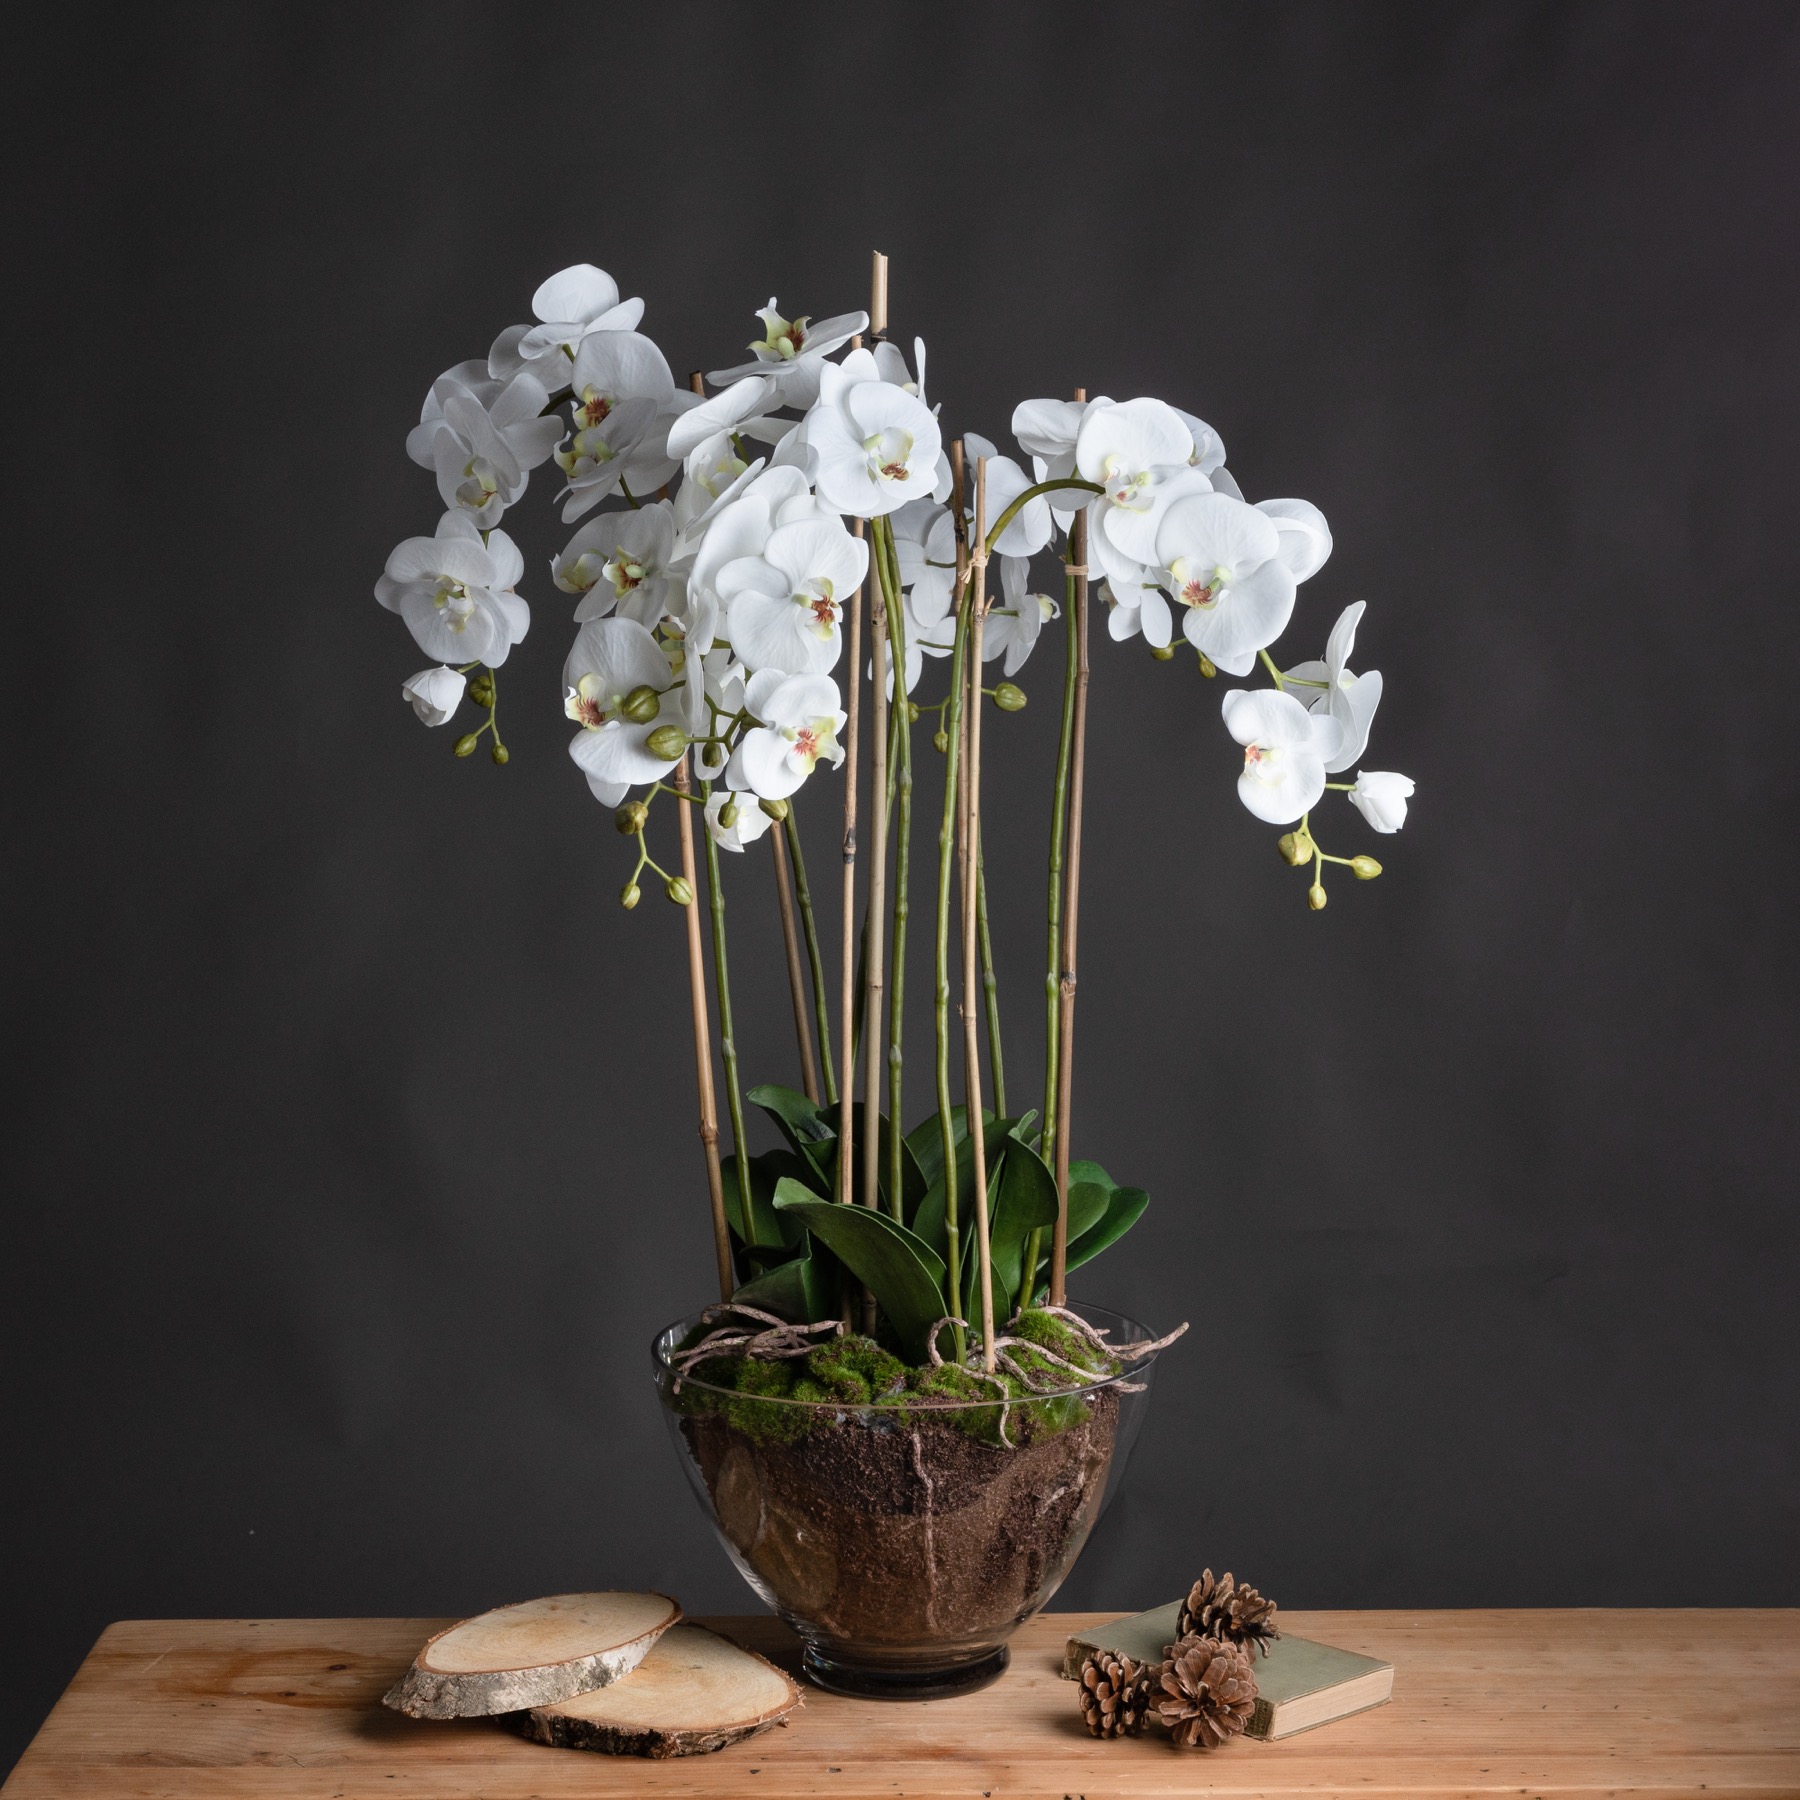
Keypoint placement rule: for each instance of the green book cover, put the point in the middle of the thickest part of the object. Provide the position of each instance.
(1299, 1684)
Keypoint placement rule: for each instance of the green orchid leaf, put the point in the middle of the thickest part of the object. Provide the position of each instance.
(912, 1179)
(926, 1141)
(800, 1290)
(1024, 1201)
(928, 1221)
(1090, 1171)
(905, 1275)
(766, 1229)
(1087, 1205)
(808, 1131)
(1123, 1210)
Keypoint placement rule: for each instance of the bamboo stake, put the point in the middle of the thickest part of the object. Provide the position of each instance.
(971, 1006)
(847, 993)
(1059, 814)
(946, 840)
(790, 938)
(703, 1070)
(901, 775)
(878, 294)
(875, 914)
(809, 925)
(1059, 1244)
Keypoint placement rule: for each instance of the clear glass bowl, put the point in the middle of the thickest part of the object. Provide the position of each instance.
(905, 1545)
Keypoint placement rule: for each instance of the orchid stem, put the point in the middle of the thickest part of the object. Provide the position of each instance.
(734, 1098)
(809, 927)
(900, 773)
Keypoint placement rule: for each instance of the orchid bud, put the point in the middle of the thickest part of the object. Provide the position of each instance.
(680, 890)
(1009, 698)
(776, 809)
(631, 817)
(940, 740)
(1315, 897)
(481, 691)
(501, 755)
(1294, 850)
(642, 705)
(666, 741)
(728, 814)
(1208, 667)
(1162, 652)
(465, 745)
(629, 895)
(912, 712)
(1364, 868)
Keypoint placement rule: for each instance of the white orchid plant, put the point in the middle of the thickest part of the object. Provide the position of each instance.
(724, 544)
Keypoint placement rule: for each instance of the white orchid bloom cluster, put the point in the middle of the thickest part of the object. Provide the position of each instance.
(1173, 537)
(712, 565)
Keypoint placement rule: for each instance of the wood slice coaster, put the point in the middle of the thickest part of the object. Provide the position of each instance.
(532, 1654)
(693, 1693)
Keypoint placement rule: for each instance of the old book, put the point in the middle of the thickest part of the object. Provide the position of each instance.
(1299, 1684)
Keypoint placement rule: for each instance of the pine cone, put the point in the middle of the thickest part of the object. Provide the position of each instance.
(1222, 1609)
(1115, 1693)
(1208, 1691)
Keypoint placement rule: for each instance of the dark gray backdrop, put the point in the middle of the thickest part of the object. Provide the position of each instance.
(349, 1153)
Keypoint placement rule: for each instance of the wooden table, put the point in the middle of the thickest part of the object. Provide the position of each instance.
(1531, 1703)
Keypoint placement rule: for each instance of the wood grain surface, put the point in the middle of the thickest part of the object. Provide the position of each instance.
(1532, 1703)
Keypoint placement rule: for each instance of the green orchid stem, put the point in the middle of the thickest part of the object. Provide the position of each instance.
(1268, 662)
(1059, 818)
(1341, 787)
(814, 957)
(990, 982)
(900, 809)
(734, 1097)
(1030, 494)
(946, 862)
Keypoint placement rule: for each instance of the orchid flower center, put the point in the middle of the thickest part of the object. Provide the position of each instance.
(1125, 488)
(784, 339)
(479, 485)
(452, 599)
(625, 571)
(1263, 761)
(588, 703)
(890, 454)
(587, 451)
(585, 570)
(809, 742)
(592, 409)
(1203, 588)
(722, 474)
(817, 598)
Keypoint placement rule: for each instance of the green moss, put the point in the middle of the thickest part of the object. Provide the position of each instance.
(856, 1372)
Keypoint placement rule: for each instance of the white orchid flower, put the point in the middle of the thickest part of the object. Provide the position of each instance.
(742, 527)
(1305, 537)
(1029, 530)
(739, 408)
(1381, 797)
(623, 560)
(482, 438)
(713, 475)
(791, 352)
(608, 662)
(434, 694)
(925, 548)
(1013, 627)
(1350, 699)
(1285, 748)
(787, 604)
(1208, 452)
(934, 637)
(597, 459)
(1047, 430)
(799, 721)
(890, 366)
(1224, 567)
(455, 592)
(570, 307)
(748, 822)
(1139, 454)
(876, 445)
